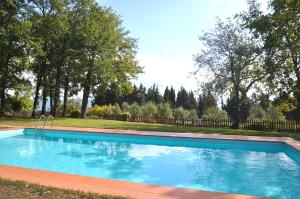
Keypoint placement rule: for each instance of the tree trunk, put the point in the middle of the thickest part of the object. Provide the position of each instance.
(66, 96)
(86, 92)
(51, 98)
(85, 98)
(36, 97)
(57, 79)
(237, 109)
(4, 85)
(44, 102)
(297, 88)
(2, 100)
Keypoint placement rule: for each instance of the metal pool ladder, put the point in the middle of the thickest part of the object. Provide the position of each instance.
(43, 117)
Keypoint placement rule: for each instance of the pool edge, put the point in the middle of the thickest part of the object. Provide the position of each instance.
(135, 190)
(108, 186)
(289, 141)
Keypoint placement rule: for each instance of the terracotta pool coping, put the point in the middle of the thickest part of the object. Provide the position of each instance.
(133, 190)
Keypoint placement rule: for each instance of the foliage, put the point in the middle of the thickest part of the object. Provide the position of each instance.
(192, 114)
(75, 114)
(153, 94)
(181, 114)
(182, 99)
(279, 28)
(134, 110)
(234, 57)
(273, 113)
(71, 105)
(164, 111)
(206, 101)
(257, 113)
(244, 107)
(125, 116)
(106, 111)
(14, 47)
(149, 110)
(215, 113)
(170, 96)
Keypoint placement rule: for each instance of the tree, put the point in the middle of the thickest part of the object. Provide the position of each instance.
(166, 97)
(230, 107)
(149, 110)
(107, 52)
(215, 113)
(192, 101)
(279, 28)
(182, 98)
(172, 97)
(206, 100)
(153, 94)
(141, 95)
(164, 111)
(14, 36)
(234, 57)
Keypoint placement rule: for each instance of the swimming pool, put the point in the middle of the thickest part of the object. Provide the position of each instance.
(266, 169)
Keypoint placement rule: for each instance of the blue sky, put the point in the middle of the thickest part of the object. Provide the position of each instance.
(167, 33)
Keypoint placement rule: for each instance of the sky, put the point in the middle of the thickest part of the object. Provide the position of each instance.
(167, 33)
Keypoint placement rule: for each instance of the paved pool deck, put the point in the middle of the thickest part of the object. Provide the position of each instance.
(130, 189)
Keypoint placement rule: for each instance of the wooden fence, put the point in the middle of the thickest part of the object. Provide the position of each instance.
(261, 125)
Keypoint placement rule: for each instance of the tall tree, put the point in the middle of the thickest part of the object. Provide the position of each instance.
(182, 99)
(153, 94)
(166, 96)
(206, 101)
(234, 57)
(43, 15)
(279, 29)
(14, 36)
(192, 101)
(108, 53)
(172, 97)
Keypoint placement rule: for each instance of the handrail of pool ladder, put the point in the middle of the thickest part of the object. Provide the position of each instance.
(52, 119)
(37, 123)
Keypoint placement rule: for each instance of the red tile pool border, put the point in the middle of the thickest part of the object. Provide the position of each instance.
(133, 190)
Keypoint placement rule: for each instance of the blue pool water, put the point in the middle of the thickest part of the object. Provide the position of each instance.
(252, 168)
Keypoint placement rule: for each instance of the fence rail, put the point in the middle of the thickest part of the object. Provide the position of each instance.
(261, 125)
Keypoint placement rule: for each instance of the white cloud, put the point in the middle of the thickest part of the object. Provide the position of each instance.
(166, 72)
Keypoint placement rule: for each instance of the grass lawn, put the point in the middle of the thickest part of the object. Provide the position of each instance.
(111, 124)
(20, 190)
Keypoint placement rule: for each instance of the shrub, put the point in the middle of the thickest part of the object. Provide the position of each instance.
(257, 113)
(215, 113)
(181, 114)
(164, 111)
(75, 114)
(193, 114)
(96, 111)
(116, 110)
(273, 113)
(149, 110)
(107, 111)
(135, 110)
(125, 116)
(72, 105)
(126, 107)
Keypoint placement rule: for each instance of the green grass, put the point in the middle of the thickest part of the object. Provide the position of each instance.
(111, 124)
(19, 190)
